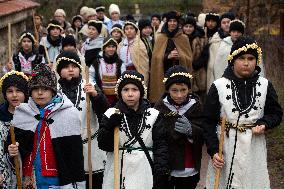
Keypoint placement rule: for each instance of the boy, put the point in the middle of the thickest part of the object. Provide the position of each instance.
(50, 147)
(15, 91)
(250, 106)
(117, 33)
(136, 120)
(178, 139)
(75, 88)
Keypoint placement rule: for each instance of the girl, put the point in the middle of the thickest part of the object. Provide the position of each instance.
(117, 33)
(14, 86)
(135, 120)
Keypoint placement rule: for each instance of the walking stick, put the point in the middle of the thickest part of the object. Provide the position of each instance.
(16, 160)
(116, 155)
(9, 42)
(35, 31)
(46, 54)
(89, 131)
(221, 143)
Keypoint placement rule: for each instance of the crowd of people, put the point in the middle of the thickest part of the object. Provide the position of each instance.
(165, 82)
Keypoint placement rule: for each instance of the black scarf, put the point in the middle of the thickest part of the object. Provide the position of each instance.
(69, 88)
(110, 59)
(55, 43)
(26, 55)
(167, 32)
(210, 32)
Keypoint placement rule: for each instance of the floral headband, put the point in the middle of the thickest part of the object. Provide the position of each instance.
(188, 75)
(109, 40)
(69, 60)
(13, 73)
(128, 76)
(246, 48)
(25, 35)
(237, 20)
(54, 25)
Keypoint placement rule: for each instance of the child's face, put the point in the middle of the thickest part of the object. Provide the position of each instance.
(27, 44)
(37, 20)
(211, 24)
(155, 22)
(179, 92)
(14, 96)
(172, 24)
(116, 34)
(225, 24)
(70, 71)
(110, 50)
(130, 95)
(55, 32)
(93, 32)
(235, 35)
(130, 32)
(114, 16)
(147, 31)
(244, 66)
(77, 23)
(42, 96)
(188, 29)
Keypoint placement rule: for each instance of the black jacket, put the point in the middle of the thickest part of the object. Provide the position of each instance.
(272, 109)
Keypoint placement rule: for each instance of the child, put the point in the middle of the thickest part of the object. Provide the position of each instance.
(135, 120)
(178, 140)
(93, 44)
(52, 41)
(107, 69)
(250, 106)
(27, 57)
(146, 30)
(75, 88)
(116, 33)
(50, 146)
(14, 86)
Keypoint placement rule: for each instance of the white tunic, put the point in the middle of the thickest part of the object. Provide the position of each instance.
(136, 171)
(249, 167)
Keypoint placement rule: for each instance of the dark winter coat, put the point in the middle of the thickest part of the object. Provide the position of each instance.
(245, 87)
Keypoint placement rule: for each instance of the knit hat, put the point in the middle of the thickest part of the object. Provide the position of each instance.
(177, 74)
(65, 58)
(109, 41)
(60, 11)
(156, 16)
(68, 40)
(134, 77)
(113, 8)
(27, 35)
(100, 9)
(83, 10)
(229, 15)
(16, 79)
(245, 45)
(129, 17)
(143, 23)
(97, 24)
(42, 76)
(237, 25)
(212, 16)
(77, 17)
(90, 12)
(53, 24)
(132, 24)
(116, 27)
(173, 15)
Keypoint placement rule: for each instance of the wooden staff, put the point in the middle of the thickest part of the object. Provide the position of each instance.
(221, 144)
(89, 132)
(16, 160)
(116, 155)
(9, 42)
(35, 31)
(46, 54)
(76, 35)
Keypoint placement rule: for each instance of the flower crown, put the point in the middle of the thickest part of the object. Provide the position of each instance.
(109, 40)
(26, 34)
(212, 14)
(178, 74)
(130, 23)
(69, 60)
(128, 76)
(13, 73)
(245, 49)
(54, 25)
(116, 28)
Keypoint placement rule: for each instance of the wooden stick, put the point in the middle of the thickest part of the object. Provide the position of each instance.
(221, 144)
(89, 132)
(46, 54)
(9, 42)
(116, 157)
(35, 31)
(16, 160)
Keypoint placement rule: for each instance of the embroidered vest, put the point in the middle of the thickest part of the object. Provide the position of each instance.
(108, 77)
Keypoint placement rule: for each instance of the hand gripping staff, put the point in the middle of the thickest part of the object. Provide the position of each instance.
(116, 154)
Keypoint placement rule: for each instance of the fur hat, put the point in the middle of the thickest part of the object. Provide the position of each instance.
(177, 74)
(134, 77)
(143, 23)
(245, 45)
(109, 41)
(132, 24)
(201, 19)
(16, 79)
(91, 12)
(42, 76)
(237, 25)
(212, 16)
(189, 20)
(116, 27)
(113, 8)
(60, 11)
(77, 17)
(100, 9)
(97, 24)
(173, 15)
(27, 35)
(83, 10)
(53, 24)
(68, 40)
(229, 15)
(65, 58)
(156, 16)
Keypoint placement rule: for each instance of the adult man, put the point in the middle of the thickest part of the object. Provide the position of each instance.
(60, 16)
